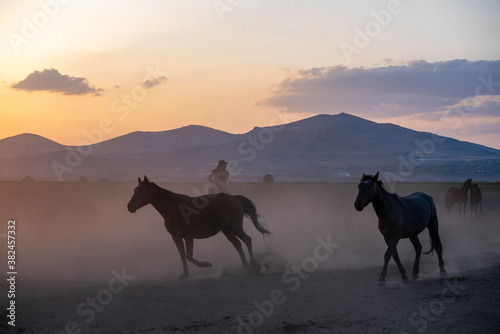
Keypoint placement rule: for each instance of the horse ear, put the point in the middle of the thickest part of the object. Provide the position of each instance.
(376, 177)
(139, 179)
(146, 179)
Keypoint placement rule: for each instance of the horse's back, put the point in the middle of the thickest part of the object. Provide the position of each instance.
(456, 195)
(228, 204)
(417, 198)
(418, 209)
(418, 203)
(450, 193)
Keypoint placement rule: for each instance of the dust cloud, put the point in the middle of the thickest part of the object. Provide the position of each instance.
(82, 231)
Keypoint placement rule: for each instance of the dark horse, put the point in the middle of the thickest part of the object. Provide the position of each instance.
(188, 218)
(458, 195)
(476, 197)
(399, 218)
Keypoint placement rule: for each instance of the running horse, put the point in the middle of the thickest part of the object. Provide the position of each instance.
(458, 195)
(188, 218)
(399, 218)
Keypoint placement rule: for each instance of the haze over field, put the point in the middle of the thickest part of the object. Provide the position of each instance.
(75, 237)
(86, 228)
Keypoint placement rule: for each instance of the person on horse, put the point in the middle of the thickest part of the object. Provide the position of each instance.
(219, 178)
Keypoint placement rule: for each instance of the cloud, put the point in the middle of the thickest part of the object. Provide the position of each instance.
(54, 81)
(388, 91)
(489, 107)
(485, 128)
(151, 83)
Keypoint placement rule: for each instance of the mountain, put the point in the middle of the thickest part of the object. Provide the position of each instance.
(140, 143)
(320, 148)
(27, 144)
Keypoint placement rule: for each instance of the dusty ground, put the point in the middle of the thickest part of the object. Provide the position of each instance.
(86, 265)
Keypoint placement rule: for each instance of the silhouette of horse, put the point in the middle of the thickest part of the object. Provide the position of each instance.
(188, 218)
(458, 195)
(399, 218)
(476, 197)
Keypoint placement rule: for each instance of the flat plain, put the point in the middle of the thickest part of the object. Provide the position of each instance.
(87, 265)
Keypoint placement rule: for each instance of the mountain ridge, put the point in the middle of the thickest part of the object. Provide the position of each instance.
(320, 148)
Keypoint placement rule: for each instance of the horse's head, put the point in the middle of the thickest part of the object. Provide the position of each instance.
(366, 191)
(468, 184)
(142, 195)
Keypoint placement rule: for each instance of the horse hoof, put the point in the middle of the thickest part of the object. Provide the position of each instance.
(381, 283)
(415, 277)
(182, 277)
(405, 281)
(205, 264)
(256, 268)
(443, 274)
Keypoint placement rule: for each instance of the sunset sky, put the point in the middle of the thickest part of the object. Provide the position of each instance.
(69, 67)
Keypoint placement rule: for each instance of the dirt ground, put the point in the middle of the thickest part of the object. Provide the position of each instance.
(86, 265)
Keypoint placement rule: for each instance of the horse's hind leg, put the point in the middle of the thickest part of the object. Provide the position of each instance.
(434, 234)
(418, 250)
(436, 239)
(248, 242)
(236, 243)
(439, 251)
(189, 251)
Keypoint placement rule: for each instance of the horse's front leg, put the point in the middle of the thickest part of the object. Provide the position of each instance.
(179, 242)
(387, 257)
(190, 258)
(395, 255)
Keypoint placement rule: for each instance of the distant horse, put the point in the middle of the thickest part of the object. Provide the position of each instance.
(188, 218)
(399, 218)
(458, 195)
(476, 197)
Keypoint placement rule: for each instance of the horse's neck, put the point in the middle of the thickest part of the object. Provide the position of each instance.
(382, 204)
(165, 201)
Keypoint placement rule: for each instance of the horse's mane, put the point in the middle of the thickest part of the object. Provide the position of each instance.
(379, 183)
(166, 191)
(468, 182)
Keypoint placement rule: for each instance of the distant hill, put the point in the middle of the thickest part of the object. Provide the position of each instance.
(27, 144)
(320, 148)
(164, 141)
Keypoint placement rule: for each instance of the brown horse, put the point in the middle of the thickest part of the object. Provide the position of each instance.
(458, 195)
(476, 197)
(188, 218)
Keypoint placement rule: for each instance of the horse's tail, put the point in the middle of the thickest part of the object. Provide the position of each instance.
(436, 241)
(251, 212)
